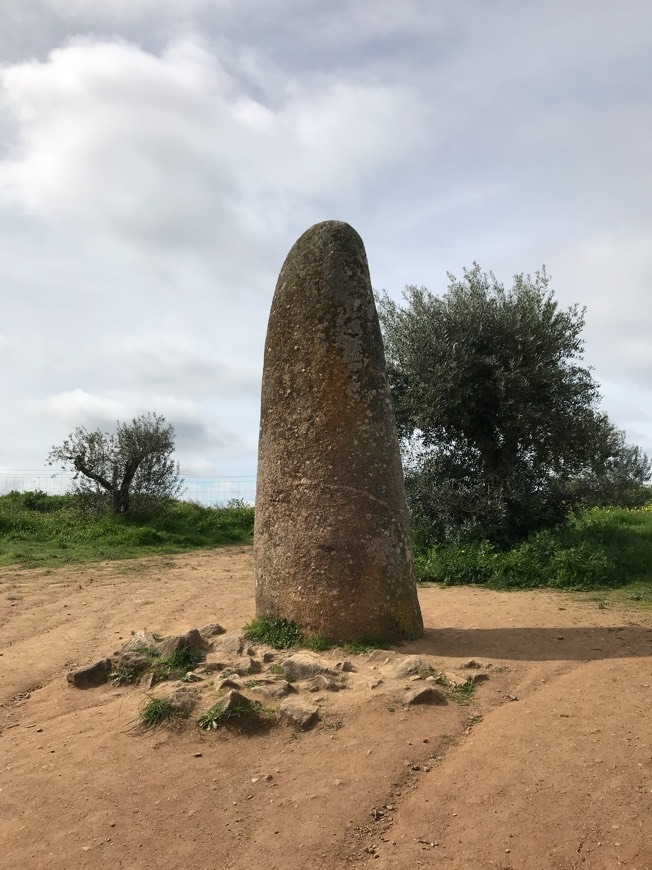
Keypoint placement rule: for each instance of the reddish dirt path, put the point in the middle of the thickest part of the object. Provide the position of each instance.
(550, 766)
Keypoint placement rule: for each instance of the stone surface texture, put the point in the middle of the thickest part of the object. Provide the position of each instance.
(90, 676)
(332, 542)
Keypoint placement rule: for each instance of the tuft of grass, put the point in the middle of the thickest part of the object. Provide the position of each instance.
(462, 694)
(177, 663)
(317, 643)
(361, 647)
(157, 711)
(242, 712)
(123, 675)
(37, 529)
(277, 633)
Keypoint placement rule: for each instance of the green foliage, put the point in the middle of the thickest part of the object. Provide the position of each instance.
(112, 470)
(502, 434)
(39, 529)
(243, 711)
(362, 647)
(462, 694)
(317, 643)
(277, 633)
(177, 663)
(123, 675)
(157, 711)
(594, 549)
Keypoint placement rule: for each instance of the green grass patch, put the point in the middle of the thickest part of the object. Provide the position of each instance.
(362, 647)
(157, 711)
(599, 549)
(242, 712)
(462, 694)
(277, 633)
(44, 530)
(175, 665)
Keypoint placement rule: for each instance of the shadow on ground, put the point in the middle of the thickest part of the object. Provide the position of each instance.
(535, 644)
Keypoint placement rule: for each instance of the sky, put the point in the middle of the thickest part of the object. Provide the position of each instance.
(158, 159)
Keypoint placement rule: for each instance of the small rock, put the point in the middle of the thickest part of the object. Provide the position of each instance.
(479, 678)
(234, 644)
(408, 665)
(242, 667)
(190, 640)
(227, 683)
(184, 700)
(299, 713)
(276, 691)
(90, 676)
(193, 677)
(415, 678)
(427, 695)
(230, 700)
(471, 664)
(135, 661)
(381, 657)
(198, 755)
(452, 680)
(211, 630)
(147, 681)
(139, 641)
(375, 683)
(346, 666)
(321, 683)
(303, 666)
(268, 657)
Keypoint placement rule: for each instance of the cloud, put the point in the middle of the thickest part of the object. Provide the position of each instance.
(169, 151)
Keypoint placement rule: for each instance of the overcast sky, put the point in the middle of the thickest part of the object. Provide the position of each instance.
(158, 158)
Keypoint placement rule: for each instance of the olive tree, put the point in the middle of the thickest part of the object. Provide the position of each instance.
(134, 460)
(500, 419)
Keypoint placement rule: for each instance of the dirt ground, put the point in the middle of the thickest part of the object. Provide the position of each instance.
(549, 766)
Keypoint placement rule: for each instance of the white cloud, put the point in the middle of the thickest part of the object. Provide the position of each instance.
(169, 151)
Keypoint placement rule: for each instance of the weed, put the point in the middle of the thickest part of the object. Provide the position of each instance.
(277, 633)
(242, 711)
(157, 711)
(463, 693)
(278, 670)
(123, 675)
(317, 643)
(177, 663)
(361, 647)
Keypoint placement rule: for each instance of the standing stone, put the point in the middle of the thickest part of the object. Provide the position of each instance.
(332, 543)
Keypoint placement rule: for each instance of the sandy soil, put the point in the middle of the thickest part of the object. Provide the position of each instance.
(550, 766)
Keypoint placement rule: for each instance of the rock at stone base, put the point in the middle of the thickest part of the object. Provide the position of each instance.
(147, 681)
(90, 676)
(141, 640)
(276, 691)
(242, 667)
(211, 630)
(184, 700)
(303, 666)
(227, 683)
(453, 680)
(409, 665)
(345, 666)
(299, 713)
(137, 662)
(190, 640)
(233, 644)
(321, 683)
(428, 695)
(381, 657)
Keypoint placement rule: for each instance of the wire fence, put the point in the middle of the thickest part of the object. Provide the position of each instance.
(206, 490)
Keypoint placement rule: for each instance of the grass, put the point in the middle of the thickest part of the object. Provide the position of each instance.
(48, 530)
(157, 711)
(177, 663)
(604, 548)
(462, 694)
(285, 634)
(242, 712)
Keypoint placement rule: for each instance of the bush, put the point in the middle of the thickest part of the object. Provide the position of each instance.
(604, 547)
